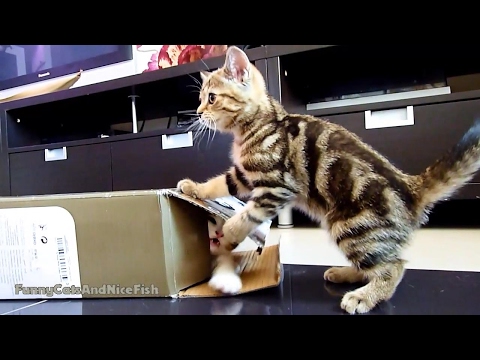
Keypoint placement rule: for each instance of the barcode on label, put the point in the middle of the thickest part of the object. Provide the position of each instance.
(62, 263)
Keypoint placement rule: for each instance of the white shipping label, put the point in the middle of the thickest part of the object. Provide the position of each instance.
(38, 254)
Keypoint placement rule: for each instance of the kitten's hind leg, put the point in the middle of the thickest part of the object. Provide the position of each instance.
(373, 247)
(383, 282)
(345, 274)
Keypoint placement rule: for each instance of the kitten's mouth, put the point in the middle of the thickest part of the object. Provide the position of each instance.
(214, 242)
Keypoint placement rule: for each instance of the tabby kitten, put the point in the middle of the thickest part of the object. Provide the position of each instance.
(369, 207)
(224, 276)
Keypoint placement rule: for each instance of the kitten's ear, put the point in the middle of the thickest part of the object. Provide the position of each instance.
(237, 64)
(204, 75)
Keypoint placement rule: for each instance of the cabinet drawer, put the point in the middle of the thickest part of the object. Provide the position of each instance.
(412, 148)
(156, 162)
(82, 169)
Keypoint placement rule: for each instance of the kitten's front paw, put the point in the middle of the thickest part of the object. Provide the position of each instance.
(357, 302)
(188, 187)
(227, 283)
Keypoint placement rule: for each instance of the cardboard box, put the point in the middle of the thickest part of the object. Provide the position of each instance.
(119, 244)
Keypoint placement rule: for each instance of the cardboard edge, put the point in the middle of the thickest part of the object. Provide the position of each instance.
(166, 193)
(165, 217)
(193, 201)
(89, 195)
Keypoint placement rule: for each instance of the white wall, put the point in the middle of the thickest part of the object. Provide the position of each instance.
(104, 73)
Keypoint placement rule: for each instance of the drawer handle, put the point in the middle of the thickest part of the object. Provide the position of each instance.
(56, 154)
(389, 118)
(177, 141)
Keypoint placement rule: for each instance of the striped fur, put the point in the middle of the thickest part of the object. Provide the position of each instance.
(369, 207)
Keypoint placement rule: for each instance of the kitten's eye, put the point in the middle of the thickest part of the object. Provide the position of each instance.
(211, 98)
(212, 220)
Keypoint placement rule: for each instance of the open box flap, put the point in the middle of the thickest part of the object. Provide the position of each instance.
(225, 207)
(261, 272)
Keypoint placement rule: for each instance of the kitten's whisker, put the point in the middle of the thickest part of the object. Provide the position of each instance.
(214, 130)
(199, 134)
(209, 132)
(204, 128)
(199, 137)
(196, 121)
(195, 125)
(197, 128)
(194, 86)
(192, 127)
(196, 80)
(205, 64)
(196, 137)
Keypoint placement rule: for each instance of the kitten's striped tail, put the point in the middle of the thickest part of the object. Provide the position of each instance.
(453, 170)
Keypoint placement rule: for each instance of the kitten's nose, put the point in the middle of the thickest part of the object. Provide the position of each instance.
(219, 234)
(200, 109)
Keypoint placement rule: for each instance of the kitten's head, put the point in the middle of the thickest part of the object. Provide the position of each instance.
(232, 94)
(215, 232)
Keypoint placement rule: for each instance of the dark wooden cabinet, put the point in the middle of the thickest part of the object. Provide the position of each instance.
(149, 164)
(103, 155)
(468, 192)
(85, 169)
(437, 128)
(443, 125)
